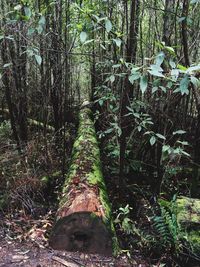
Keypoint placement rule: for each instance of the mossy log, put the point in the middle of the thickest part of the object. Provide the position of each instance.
(84, 215)
(31, 122)
(188, 218)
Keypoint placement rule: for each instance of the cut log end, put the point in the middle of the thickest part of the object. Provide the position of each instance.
(82, 231)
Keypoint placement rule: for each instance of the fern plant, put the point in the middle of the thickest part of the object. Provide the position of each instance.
(167, 227)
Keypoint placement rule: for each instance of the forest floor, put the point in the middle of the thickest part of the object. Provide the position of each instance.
(24, 242)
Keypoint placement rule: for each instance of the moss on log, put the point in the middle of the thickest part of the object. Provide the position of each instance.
(84, 220)
(188, 218)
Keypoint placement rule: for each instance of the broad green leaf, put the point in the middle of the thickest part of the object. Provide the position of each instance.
(181, 67)
(133, 77)
(170, 50)
(108, 25)
(7, 65)
(172, 64)
(27, 11)
(116, 66)
(102, 46)
(194, 1)
(38, 59)
(143, 83)
(193, 68)
(88, 41)
(112, 78)
(163, 89)
(174, 74)
(160, 58)
(154, 89)
(152, 140)
(42, 21)
(195, 81)
(18, 7)
(179, 132)
(40, 29)
(160, 136)
(181, 19)
(184, 85)
(156, 73)
(118, 42)
(83, 37)
(165, 148)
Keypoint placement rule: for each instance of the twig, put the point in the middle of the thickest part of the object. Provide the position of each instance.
(64, 262)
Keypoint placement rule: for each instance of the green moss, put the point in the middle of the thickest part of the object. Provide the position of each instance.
(188, 210)
(188, 218)
(86, 163)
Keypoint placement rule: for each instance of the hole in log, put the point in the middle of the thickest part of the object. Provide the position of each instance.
(81, 231)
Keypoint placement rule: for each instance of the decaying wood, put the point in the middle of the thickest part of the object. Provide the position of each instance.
(84, 216)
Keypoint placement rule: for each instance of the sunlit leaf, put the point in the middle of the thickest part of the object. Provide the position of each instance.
(133, 77)
(83, 37)
(38, 59)
(118, 42)
(108, 25)
(179, 132)
(152, 140)
(143, 83)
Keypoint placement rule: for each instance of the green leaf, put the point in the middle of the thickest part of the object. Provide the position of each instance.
(27, 11)
(118, 42)
(194, 1)
(174, 74)
(172, 64)
(163, 89)
(160, 58)
(154, 89)
(42, 21)
(83, 37)
(156, 73)
(195, 81)
(181, 19)
(184, 85)
(179, 132)
(112, 78)
(170, 50)
(7, 65)
(108, 25)
(133, 77)
(143, 83)
(193, 69)
(38, 59)
(152, 140)
(181, 67)
(18, 7)
(160, 136)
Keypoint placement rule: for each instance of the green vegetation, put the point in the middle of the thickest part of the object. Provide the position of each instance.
(137, 62)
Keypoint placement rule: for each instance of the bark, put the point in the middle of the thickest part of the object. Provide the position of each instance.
(127, 92)
(84, 220)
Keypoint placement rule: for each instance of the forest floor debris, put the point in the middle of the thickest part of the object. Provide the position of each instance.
(24, 242)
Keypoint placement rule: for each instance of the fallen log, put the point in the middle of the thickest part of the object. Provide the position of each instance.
(31, 122)
(84, 220)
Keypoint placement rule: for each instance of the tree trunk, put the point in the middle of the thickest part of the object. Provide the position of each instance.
(84, 216)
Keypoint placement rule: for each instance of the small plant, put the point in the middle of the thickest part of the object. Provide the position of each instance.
(167, 227)
(123, 219)
(5, 130)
